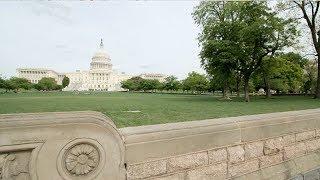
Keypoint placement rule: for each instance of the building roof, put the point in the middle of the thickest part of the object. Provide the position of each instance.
(101, 54)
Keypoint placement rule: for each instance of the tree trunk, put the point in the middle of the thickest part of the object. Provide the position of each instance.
(311, 21)
(267, 87)
(317, 95)
(238, 89)
(246, 89)
(225, 91)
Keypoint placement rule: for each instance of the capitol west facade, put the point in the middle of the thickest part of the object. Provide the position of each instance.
(100, 77)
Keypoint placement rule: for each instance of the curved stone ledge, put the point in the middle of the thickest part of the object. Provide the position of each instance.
(60, 145)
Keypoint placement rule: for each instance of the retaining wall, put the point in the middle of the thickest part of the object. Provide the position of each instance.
(87, 145)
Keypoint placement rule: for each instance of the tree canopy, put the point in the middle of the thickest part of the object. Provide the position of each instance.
(195, 82)
(65, 81)
(236, 36)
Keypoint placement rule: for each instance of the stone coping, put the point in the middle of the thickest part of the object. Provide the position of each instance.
(55, 144)
(152, 142)
(46, 118)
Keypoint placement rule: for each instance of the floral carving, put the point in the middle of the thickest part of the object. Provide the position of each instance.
(81, 159)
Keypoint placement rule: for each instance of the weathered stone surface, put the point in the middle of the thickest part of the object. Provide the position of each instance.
(312, 175)
(43, 145)
(254, 149)
(317, 132)
(236, 154)
(313, 145)
(294, 150)
(297, 177)
(187, 161)
(178, 176)
(289, 139)
(146, 169)
(217, 156)
(305, 135)
(270, 159)
(242, 168)
(215, 171)
(272, 146)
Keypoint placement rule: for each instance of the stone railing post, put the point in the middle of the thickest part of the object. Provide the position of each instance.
(66, 146)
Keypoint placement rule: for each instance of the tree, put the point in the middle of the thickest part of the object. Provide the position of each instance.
(155, 84)
(16, 83)
(133, 84)
(47, 84)
(65, 81)
(171, 83)
(310, 77)
(127, 84)
(310, 11)
(195, 82)
(241, 34)
(217, 40)
(148, 84)
(282, 72)
(2, 83)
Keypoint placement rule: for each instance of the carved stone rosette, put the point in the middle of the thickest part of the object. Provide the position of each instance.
(81, 158)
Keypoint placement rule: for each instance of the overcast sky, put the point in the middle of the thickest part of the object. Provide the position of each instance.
(143, 36)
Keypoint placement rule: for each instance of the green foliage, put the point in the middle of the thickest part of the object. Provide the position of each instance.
(283, 73)
(195, 82)
(310, 77)
(236, 36)
(132, 84)
(48, 84)
(16, 83)
(65, 82)
(171, 83)
(149, 84)
(2, 83)
(140, 84)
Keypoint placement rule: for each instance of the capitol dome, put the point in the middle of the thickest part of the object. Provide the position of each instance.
(101, 54)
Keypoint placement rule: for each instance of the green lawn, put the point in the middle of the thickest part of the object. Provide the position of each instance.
(134, 109)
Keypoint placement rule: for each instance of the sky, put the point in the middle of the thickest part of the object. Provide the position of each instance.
(139, 36)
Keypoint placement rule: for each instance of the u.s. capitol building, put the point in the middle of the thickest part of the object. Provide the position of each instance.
(100, 77)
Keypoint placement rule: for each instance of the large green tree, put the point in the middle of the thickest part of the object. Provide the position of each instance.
(236, 36)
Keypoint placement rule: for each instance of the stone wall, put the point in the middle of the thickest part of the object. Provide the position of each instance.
(231, 161)
(87, 146)
(270, 146)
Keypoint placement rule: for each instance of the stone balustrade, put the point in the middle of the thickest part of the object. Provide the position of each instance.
(87, 145)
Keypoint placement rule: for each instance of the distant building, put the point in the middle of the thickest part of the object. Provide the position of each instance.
(35, 74)
(100, 76)
(160, 77)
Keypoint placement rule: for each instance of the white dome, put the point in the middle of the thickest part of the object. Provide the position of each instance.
(101, 54)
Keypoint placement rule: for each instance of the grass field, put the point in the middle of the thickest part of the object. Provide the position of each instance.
(134, 109)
